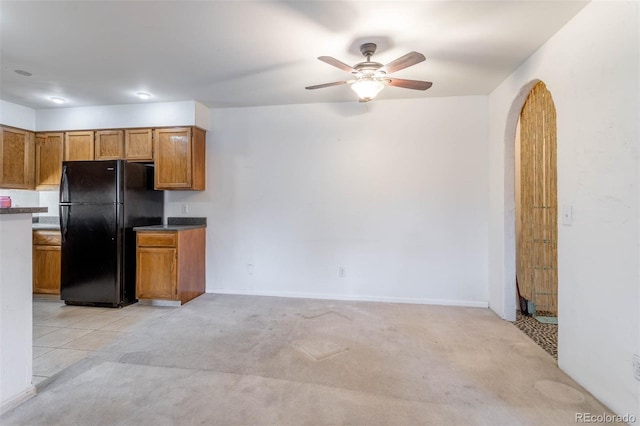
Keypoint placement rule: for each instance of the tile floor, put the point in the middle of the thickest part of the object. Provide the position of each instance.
(64, 335)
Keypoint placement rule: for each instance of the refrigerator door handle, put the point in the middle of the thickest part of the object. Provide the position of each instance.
(64, 186)
(64, 220)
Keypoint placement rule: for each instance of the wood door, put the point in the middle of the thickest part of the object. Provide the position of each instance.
(46, 269)
(48, 160)
(109, 145)
(78, 146)
(138, 144)
(173, 158)
(156, 274)
(16, 158)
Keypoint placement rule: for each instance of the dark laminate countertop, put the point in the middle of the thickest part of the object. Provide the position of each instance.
(156, 228)
(46, 226)
(23, 210)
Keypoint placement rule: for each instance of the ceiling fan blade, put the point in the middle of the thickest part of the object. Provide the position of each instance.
(320, 86)
(336, 63)
(403, 62)
(410, 84)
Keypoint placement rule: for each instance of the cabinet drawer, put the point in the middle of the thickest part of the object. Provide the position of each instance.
(157, 239)
(47, 237)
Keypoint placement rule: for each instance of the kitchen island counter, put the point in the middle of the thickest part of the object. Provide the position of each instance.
(16, 357)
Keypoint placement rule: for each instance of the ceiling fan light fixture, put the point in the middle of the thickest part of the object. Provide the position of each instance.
(367, 88)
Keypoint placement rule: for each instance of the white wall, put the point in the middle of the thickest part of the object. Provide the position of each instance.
(159, 114)
(591, 69)
(393, 191)
(17, 116)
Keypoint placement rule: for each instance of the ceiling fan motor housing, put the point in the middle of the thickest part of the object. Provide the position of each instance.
(368, 49)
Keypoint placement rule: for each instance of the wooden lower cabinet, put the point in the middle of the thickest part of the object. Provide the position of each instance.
(46, 261)
(170, 265)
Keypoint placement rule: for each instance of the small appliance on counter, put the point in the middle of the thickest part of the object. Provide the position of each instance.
(100, 203)
(5, 202)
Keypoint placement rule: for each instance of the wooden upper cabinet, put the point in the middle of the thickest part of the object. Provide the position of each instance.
(48, 160)
(179, 158)
(78, 146)
(16, 158)
(109, 145)
(138, 144)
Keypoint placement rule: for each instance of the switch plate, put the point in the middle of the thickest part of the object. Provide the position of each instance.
(567, 215)
(185, 208)
(636, 366)
(249, 268)
(341, 272)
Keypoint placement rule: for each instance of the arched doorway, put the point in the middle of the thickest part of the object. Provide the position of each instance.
(537, 205)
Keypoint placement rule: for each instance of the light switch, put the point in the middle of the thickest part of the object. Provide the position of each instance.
(567, 215)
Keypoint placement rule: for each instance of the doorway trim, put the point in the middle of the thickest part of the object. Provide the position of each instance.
(509, 160)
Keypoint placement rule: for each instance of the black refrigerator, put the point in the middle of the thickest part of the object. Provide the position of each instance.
(100, 203)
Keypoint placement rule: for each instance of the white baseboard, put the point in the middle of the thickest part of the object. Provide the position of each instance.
(410, 300)
(159, 302)
(12, 403)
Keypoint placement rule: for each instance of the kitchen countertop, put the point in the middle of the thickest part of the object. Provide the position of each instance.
(22, 210)
(156, 228)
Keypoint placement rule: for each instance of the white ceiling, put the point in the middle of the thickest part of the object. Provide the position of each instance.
(248, 53)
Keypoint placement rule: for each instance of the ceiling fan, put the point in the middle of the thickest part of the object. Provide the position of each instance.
(369, 78)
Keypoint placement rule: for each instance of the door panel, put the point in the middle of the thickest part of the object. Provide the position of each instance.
(156, 274)
(89, 182)
(90, 271)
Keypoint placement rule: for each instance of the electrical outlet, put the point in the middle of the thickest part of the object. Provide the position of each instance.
(636, 366)
(249, 268)
(341, 272)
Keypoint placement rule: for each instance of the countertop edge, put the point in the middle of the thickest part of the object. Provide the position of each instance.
(152, 228)
(23, 210)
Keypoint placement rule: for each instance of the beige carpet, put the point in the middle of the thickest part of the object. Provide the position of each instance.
(238, 360)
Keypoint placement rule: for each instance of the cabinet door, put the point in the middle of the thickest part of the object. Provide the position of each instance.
(138, 144)
(78, 146)
(16, 158)
(46, 269)
(109, 145)
(48, 160)
(173, 158)
(156, 273)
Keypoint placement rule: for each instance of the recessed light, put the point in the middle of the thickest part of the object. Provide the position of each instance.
(143, 95)
(23, 73)
(57, 100)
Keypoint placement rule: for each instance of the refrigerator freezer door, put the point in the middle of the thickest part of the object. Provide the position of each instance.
(91, 254)
(90, 182)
